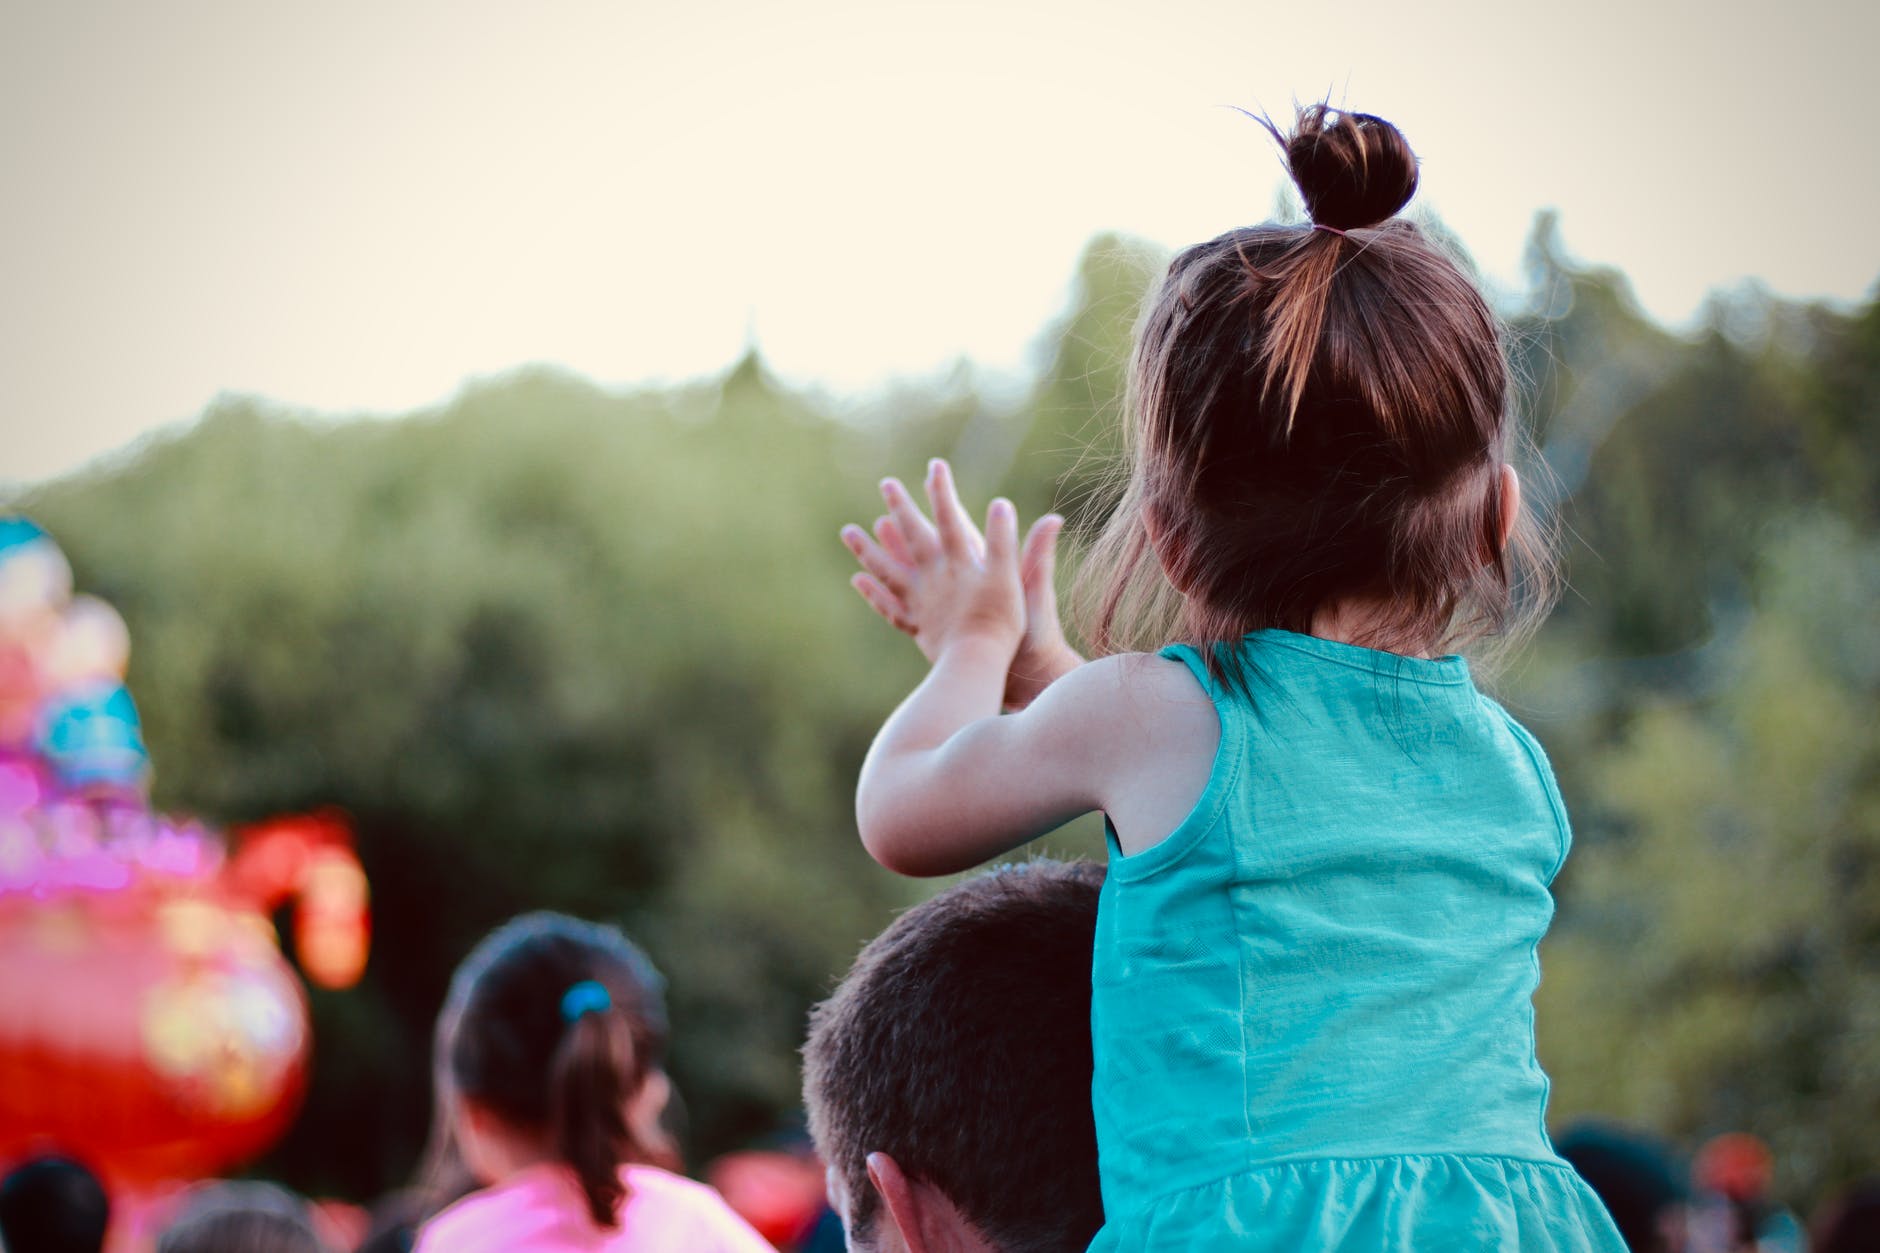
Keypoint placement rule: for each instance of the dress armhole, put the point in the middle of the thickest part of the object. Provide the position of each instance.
(1549, 784)
(1222, 777)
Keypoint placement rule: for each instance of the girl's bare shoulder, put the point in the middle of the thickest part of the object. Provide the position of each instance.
(1132, 704)
(1141, 682)
(1152, 733)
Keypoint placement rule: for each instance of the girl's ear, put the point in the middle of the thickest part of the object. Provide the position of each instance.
(479, 1139)
(1510, 488)
(648, 1106)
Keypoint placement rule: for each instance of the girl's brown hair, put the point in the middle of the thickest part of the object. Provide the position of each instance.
(1319, 419)
(517, 1044)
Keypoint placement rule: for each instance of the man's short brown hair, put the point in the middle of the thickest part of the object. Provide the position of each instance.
(959, 1045)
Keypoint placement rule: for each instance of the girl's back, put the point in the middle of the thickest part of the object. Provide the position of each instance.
(1312, 1001)
(540, 1210)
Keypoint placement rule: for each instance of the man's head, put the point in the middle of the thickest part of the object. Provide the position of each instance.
(948, 1078)
(53, 1204)
(246, 1217)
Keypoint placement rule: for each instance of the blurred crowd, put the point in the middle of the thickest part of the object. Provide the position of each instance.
(946, 1082)
(549, 1133)
(1719, 1202)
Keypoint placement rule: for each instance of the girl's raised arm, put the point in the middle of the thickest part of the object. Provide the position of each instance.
(948, 782)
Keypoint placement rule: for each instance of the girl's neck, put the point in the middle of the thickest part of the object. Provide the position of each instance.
(1364, 622)
(495, 1151)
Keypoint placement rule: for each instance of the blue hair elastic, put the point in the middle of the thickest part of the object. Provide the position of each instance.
(585, 997)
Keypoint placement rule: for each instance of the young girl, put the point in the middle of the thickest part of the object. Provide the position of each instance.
(551, 1043)
(1330, 853)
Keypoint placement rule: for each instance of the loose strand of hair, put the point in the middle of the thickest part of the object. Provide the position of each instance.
(1295, 322)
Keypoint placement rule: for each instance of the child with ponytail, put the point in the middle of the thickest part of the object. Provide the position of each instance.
(1330, 853)
(551, 1045)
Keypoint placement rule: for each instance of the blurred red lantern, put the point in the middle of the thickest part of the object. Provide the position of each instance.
(152, 1029)
(148, 1021)
(309, 859)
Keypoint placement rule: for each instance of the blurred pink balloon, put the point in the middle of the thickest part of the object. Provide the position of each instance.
(35, 580)
(90, 642)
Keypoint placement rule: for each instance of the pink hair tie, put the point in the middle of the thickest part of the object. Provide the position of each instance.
(1320, 226)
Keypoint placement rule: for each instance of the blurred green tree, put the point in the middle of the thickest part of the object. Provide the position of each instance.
(1719, 965)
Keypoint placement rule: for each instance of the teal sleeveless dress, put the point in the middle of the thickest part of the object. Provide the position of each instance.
(1312, 1003)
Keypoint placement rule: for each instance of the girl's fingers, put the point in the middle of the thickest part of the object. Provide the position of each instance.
(958, 537)
(888, 572)
(1001, 536)
(1037, 564)
(888, 534)
(882, 601)
(917, 533)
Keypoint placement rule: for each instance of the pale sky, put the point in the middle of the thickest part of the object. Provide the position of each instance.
(356, 206)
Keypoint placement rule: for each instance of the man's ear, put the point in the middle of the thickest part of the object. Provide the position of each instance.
(923, 1218)
(898, 1199)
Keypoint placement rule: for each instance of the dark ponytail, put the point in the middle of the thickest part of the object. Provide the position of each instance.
(1353, 171)
(587, 1106)
(556, 1025)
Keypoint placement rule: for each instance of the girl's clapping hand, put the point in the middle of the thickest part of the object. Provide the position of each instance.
(935, 579)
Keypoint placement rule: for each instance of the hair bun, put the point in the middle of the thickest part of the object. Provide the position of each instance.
(1353, 169)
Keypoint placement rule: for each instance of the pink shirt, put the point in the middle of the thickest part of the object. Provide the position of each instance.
(540, 1210)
